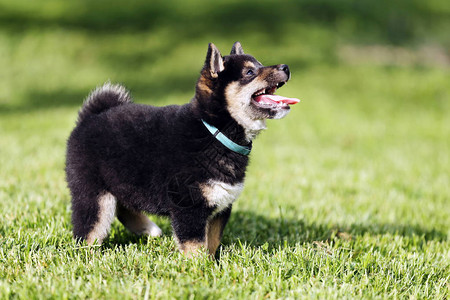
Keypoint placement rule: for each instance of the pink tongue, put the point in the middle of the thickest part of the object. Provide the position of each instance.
(276, 99)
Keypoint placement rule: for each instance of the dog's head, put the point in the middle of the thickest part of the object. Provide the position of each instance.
(241, 85)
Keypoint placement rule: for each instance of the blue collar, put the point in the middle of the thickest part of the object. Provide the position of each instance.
(244, 150)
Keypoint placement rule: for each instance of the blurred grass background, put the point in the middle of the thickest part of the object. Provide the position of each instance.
(53, 51)
(362, 163)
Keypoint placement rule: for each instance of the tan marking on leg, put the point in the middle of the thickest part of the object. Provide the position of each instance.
(137, 222)
(192, 248)
(214, 234)
(106, 213)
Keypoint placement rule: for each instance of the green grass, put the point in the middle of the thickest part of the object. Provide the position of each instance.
(348, 197)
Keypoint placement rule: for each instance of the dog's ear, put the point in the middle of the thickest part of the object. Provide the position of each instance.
(237, 49)
(214, 61)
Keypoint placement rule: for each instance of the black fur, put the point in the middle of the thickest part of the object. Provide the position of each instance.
(153, 159)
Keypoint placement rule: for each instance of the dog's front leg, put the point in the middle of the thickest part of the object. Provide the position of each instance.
(215, 227)
(189, 226)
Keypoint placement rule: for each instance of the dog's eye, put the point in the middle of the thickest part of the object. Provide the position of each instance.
(250, 72)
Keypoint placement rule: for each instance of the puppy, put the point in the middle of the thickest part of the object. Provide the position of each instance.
(186, 162)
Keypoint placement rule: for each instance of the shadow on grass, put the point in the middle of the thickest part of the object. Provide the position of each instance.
(256, 230)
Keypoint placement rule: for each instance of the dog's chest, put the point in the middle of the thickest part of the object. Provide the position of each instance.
(221, 194)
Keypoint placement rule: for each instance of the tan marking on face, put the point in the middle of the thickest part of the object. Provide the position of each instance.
(249, 64)
(238, 99)
(214, 234)
(266, 72)
(106, 213)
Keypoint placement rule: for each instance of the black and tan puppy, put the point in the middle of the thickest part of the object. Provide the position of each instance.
(187, 162)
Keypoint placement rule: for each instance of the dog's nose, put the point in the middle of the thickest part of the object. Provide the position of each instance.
(285, 69)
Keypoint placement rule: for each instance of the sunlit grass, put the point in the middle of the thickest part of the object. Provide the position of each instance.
(348, 197)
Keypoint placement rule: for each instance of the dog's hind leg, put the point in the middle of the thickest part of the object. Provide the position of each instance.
(137, 222)
(92, 219)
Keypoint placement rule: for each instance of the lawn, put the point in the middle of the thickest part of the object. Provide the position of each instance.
(347, 197)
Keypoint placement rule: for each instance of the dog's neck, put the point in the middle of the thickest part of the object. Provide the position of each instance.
(256, 127)
(224, 122)
(232, 130)
(240, 131)
(250, 128)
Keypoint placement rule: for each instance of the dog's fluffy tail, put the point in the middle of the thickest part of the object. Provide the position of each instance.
(103, 98)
